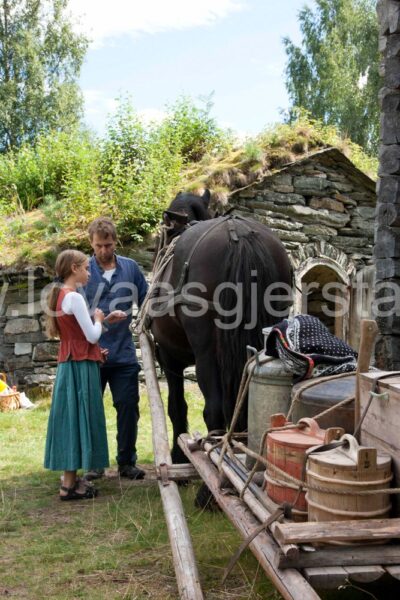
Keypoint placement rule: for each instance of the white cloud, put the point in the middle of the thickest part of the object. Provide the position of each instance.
(102, 19)
(98, 103)
(99, 106)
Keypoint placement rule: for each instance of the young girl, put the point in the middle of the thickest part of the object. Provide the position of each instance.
(76, 433)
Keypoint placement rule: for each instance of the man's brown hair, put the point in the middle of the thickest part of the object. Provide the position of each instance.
(103, 227)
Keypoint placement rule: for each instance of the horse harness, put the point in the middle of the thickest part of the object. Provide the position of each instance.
(165, 254)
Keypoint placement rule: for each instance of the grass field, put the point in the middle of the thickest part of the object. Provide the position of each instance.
(116, 546)
(113, 547)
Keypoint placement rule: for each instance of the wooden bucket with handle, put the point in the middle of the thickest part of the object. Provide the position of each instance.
(342, 473)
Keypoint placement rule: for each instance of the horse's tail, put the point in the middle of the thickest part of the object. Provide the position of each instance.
(253, 263)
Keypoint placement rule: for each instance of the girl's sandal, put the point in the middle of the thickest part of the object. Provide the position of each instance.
(78, 480)
(73, 494)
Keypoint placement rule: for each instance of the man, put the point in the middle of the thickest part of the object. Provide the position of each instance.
(116, 283)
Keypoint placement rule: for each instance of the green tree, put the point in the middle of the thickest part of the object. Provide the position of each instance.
(40, 60)
(193, 128)
(125, 146)
(334, 72)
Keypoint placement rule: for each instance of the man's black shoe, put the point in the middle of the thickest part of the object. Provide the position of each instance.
(131, 472)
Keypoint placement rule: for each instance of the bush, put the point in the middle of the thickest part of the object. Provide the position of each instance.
(49, 167)
(134, 171)
(193, 129)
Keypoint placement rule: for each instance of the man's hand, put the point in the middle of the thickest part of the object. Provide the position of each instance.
(104, 353)
(115, 316)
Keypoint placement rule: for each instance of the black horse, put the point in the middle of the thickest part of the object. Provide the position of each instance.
(228, 278)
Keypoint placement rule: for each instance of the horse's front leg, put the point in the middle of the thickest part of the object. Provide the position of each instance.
(177, 407)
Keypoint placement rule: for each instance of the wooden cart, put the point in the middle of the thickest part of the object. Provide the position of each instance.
(295, 567)
(285, 549)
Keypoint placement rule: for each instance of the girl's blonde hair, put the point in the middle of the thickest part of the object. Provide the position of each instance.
(63, 268)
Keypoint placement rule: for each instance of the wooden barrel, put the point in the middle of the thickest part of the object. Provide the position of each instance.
(348, 469)
(286, 450)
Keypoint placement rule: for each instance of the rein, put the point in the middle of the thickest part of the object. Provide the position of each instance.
(165, 254)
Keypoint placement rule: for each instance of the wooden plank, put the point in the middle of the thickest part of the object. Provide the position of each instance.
(369, 331)
(365, 574)
(382, 418)
(260, 509)
(326, 578)
(372, 437)
(394, 571)
(290, 583)
(186, 572)
(392, 383)
(180, 472)
(341, 555)
(345, 531)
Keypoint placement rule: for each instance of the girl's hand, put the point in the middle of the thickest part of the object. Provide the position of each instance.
(98, 315)
(104, 353)
(115, 316)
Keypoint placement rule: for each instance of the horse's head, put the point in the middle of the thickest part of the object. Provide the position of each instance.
(185, 208)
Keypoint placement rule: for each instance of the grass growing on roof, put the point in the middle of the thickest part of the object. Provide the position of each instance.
(74, 178)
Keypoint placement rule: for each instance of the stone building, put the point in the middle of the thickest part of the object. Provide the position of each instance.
(322, 207)
(26, 355)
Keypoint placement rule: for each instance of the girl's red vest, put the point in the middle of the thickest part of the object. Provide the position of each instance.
(73, 344)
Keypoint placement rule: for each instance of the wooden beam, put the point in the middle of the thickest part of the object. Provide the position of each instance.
(290, 583)
(344, 531)
(186, 572)
(261, 510)
(330, 556)
(326, 578)
(394, 571)
(179, 472)
(365, 574)
(369, 331)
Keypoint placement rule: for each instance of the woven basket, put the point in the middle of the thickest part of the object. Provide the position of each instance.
(8, 400)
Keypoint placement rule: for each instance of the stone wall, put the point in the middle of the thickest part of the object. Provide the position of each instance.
(387, 247)
(26, 354)
(323, 197)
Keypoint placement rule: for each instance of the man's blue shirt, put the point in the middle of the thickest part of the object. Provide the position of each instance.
(126, 288)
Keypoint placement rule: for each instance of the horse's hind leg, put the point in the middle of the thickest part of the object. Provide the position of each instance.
(177, 407)
(209, 383)
(208, 379)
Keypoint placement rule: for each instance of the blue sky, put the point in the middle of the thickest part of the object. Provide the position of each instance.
(159, 49)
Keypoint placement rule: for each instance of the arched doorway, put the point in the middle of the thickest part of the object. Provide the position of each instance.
(323, 277)
(324, 295)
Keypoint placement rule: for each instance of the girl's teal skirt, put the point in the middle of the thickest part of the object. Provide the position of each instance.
(76, 431)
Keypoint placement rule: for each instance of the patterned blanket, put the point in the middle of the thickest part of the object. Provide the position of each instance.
(308, 349)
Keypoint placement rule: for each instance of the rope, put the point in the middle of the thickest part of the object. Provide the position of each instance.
(290, 479)
(162, 261)
(243, 387)
(311, 383)
(274, 517)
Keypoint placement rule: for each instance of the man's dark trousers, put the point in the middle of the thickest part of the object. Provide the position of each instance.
(124, 386)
